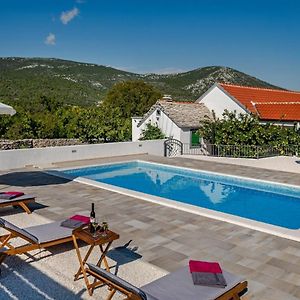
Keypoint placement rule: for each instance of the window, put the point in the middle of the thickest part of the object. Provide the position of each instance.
(195, 138)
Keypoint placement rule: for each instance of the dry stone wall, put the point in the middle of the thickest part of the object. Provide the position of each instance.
(37, 143)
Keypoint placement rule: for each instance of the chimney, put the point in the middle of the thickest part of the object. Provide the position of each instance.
(167, 98)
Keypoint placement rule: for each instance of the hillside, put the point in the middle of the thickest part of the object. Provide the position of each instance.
(25, 79)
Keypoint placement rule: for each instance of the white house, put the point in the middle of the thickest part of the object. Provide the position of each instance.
(178, 120)
(276, 106)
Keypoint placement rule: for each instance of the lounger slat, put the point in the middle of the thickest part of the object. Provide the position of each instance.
(17, 199)
(21, 201)
(118, 281)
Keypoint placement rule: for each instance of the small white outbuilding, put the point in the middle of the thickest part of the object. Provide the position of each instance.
(177, 120)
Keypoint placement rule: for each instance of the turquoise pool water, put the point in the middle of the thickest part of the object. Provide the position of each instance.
(265, 202)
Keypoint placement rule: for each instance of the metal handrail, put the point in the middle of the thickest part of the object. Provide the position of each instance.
(241, 151)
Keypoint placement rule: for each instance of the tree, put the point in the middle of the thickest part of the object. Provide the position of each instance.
(244, 129)
(134, 98)
(151, 132)
(5, 123)
(115, 127)
(46, 117)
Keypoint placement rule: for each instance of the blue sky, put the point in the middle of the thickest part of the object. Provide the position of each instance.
(260, 38)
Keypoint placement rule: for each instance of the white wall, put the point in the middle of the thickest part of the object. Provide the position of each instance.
(166, 125)
(11, 159)
(218, 101)
(135, 130)
(185, 136)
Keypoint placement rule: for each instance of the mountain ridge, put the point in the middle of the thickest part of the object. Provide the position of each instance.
(81, 83)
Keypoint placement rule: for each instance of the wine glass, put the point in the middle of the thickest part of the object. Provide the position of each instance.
(104, 228)
(95, 224)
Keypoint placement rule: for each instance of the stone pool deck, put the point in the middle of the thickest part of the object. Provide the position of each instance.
(168, 237)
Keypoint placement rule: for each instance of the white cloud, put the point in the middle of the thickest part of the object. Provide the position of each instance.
(67, 16)
(50, 39)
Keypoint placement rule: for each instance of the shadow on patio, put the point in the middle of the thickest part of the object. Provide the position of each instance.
(9, 210)
(31, 178)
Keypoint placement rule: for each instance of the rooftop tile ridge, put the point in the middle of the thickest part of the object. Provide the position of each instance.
(258, 88)
(177, 102)
(276, 102)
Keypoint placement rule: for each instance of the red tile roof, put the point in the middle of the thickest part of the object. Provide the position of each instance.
(269, 104)
(284, 111)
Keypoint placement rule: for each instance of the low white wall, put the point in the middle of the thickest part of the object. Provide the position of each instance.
(11, 159)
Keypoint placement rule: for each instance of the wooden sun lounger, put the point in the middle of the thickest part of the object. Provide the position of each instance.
(22, 201)
(174, 286)
(37, 237)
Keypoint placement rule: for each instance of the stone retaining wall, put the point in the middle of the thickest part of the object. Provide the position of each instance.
(37, 143)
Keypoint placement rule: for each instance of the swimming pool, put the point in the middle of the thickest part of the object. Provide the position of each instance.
(255, 200)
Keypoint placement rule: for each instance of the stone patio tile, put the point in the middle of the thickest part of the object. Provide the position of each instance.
(296, 293)
(246, 252)
(284, 286)
(158, 239)
(216, 251)
(237, 269)
(137, 224)
(56, 209)
(287, 266)
(190, 227)
(231, 256)
(255, 287)
(250, 263)
(173, 245)
(271, 270)
(292, 250)
(166, 263)
(273, 294)
(292, 277)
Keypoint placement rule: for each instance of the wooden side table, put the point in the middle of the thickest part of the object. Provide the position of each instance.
(104, 243)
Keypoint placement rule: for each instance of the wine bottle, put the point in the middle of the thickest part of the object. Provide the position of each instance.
(92, 218)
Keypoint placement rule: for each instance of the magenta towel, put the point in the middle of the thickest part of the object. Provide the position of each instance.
(83, 219)
(10, 195)
(204, 266)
